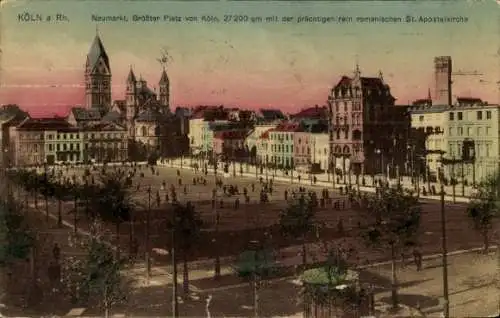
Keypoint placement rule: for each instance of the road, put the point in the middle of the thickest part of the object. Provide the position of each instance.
(237, 227)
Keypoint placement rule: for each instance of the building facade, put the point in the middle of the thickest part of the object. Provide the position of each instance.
(254, 137)
(320, 150)
(302, 148)
(282, 145)
(29, 146)
(366, 127)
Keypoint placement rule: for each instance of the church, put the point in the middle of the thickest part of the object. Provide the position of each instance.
(152, 130)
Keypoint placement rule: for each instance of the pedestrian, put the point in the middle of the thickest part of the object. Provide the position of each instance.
(286, 195)
(253, 187)
(166, 197)
(237, 203)
(417, 256)
(158, 199)
(185, 190)
(56, 252)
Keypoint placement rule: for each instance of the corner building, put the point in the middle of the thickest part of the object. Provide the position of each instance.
(368, 133)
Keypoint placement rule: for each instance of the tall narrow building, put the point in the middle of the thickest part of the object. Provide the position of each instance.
(98, 78)
(442, 73)
(164, 97)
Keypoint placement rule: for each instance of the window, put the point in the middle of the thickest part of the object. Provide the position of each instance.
(469, 131)
(460, 130)
(64, 136)
(479, 115)
(488, 131)
(65, 147)
(51, 136)
(57, 147)
(488, 114)
(460, 115)
(452, 116)
(479, 131)
(421, 118)
(51, 147)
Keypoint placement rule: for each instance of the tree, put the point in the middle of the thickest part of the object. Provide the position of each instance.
(46, 186)
(187, 225)
(297, 220)
(112, 201)
(484, 206)
(255, 264)
(16, 238)
(332, 287)
(96, 278)
(391, 220)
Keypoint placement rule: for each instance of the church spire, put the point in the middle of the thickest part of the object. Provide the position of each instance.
(164, 77)
(381, 75)
(357, 71)
(131, 76)
(97, 51)
(429, 97)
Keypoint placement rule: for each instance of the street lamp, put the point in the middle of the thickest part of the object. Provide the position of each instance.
(379, 152)
(446, 303)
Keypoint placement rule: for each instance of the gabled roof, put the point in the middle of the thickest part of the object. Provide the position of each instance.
(271, 114)
(84, 114)
(366, 82)
(312, 112)
(422, 102)
(97, 51)
(104, 126)
(469, 100)
(41, 124)
(151, 115)
(112, 116)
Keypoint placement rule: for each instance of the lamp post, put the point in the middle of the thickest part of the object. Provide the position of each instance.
(381, 154)
(217, 221)
(175, 303)
(147, 256)
(446, 302)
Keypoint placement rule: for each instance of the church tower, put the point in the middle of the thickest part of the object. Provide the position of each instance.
(442, 74)
(131, 101)
(164, 97)
(97, 77)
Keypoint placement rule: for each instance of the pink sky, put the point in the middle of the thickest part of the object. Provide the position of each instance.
(250, 66)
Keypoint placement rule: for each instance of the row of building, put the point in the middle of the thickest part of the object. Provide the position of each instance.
(362, 130)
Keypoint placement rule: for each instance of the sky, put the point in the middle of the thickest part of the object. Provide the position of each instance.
(250, 65)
